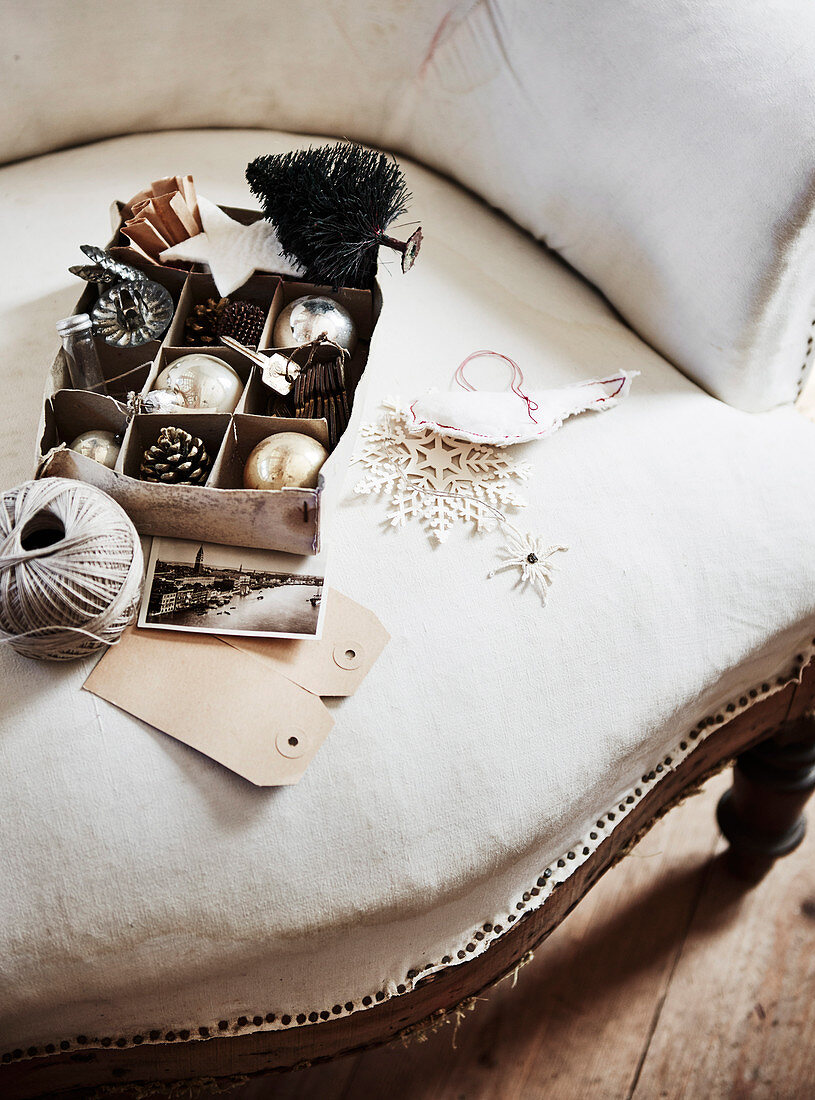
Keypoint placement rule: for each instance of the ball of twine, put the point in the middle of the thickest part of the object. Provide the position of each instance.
(70, 569)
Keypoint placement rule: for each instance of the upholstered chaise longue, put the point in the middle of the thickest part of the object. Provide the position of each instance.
(627, 185)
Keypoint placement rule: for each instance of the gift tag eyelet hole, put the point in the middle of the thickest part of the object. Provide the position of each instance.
(291, 745)
(348, 657)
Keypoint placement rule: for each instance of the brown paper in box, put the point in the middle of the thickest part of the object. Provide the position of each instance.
(142, 234)
(185, 215)
(351, 641)
(170, 205)
(236, 710)
(160, 213)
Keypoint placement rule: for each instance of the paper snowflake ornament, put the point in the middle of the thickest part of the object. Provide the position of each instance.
(232, 251)
(436, 481)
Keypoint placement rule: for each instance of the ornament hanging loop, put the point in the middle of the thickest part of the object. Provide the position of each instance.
(515, 386)
(317, 350)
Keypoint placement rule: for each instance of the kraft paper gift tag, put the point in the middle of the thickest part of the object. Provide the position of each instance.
(351, 641)
(240, 712)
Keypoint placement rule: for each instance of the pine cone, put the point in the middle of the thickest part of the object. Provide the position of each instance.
(243, 321)
(201, 326)
(176, 458)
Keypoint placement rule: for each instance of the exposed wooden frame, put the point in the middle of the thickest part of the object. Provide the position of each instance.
(774, 740)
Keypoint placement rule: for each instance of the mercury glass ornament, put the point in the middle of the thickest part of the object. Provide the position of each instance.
(309, 318)
(202, 383)
(133, 313)
(286, 459)
(101, 446)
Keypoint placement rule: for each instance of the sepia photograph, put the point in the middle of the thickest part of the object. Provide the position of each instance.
(232, 590)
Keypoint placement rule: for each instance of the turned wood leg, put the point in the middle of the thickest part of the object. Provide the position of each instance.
(761, 813)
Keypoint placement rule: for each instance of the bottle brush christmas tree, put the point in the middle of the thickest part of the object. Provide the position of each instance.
(331, 207)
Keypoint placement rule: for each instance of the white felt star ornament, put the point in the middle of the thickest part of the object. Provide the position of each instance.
(232, 251)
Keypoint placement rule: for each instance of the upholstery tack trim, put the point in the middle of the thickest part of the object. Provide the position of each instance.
(807, 357)
(550, 878)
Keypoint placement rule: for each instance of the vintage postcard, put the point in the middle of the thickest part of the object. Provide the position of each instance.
(231, 590)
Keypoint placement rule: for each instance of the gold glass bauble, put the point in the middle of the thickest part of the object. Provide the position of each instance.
(286, 459)
(101, 446)
(203, 383)
(306, 319)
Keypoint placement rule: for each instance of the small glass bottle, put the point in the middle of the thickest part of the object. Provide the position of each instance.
(84, 367)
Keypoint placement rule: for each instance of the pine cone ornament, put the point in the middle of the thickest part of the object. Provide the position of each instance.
(176, 458)
(201, 326)
(243, 321)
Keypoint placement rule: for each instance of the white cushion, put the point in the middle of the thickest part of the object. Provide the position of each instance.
(665, 150)
(144, 887)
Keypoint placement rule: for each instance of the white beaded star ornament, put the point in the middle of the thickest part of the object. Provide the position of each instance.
(528, 554)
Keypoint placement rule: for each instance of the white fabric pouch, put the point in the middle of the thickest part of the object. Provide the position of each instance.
(512, 416)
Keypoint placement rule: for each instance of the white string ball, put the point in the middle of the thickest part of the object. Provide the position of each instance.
(70, 569)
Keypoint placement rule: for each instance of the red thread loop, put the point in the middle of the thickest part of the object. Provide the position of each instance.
(517, 378)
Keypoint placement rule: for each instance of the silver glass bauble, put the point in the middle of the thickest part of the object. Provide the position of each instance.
(202, 383)
(101, 446)
(282, 460)
(133, 313)
(309, 318)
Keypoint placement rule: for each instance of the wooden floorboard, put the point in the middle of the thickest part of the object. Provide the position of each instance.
(739, 1016)
(669, 980)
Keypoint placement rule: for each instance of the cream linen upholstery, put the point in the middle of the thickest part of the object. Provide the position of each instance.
(666, 149)
(144, 887)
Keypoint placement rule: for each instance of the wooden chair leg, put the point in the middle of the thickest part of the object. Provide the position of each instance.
(761, 813)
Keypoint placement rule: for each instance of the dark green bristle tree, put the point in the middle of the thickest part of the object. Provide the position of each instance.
(331, 207)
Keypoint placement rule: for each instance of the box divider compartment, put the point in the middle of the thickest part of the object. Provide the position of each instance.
(244, 434)
(260, 290)
(167, 355)
(145, 429)
(71, 412)
(359, 304)
(121, 367)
